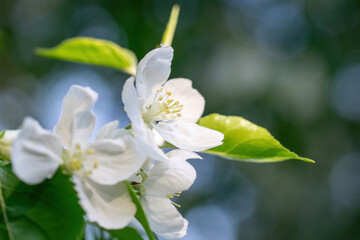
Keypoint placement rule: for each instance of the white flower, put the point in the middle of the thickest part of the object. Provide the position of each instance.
(171, 108)
(165, 180)
(98, 167)
(6, 141)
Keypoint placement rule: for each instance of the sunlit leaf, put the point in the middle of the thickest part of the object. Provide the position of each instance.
(171, 26)
(140, 214)
(48, 211)
(92, 51)
(246, 141)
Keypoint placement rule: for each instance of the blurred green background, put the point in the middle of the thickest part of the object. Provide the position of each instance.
(290, 66)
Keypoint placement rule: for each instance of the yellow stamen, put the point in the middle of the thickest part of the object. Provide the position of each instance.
(90, 151)
(178, 205)
(75, 165)
(96, 164)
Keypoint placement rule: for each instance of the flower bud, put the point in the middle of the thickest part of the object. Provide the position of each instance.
(6, 140)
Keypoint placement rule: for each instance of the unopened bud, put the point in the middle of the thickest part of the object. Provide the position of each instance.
(6, 140)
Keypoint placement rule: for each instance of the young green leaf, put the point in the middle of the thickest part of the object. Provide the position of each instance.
(48, 211)
(93, 51)
(140, 214)
(171, 26)
(246, 141)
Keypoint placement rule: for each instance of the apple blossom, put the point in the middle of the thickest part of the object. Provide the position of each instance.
(171, 108)
(164, 181)
(98, 168)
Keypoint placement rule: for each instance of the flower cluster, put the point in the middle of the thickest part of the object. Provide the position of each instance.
(160, 111)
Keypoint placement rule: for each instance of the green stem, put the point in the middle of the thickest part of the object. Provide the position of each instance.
(171, 26)
(3, 208)
(140, 214)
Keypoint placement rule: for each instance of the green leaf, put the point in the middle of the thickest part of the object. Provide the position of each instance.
(171, 26)
(140, 214)
(127, 233)
(246, 141)
(48, 211)
(92, 51)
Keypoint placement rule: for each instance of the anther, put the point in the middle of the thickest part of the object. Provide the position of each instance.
(75, 165)
(90, 151)
(96, 164)
(168, 93)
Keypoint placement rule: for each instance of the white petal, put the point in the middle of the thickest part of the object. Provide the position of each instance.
(189, 136)
(169, 177)
(193, 102)
(77, 119)
(36, 153)
(179, 154)
(158, 139)
(107, 130)
(164, 218)
(117, 159)
(133, 108)
(153, 70)
(110, 206)
(151, 148)
(111, 131)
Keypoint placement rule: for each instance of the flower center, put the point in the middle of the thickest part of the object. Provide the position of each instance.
(162, 108)
(79, 161)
